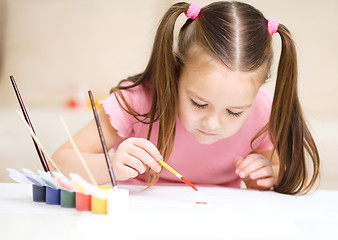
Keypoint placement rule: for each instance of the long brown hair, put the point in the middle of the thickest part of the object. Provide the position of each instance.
(236, 34)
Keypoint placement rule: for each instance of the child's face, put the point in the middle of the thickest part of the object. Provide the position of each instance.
(213, 101)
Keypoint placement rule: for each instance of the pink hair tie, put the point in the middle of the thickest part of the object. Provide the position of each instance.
(272, 26)
(193, 11)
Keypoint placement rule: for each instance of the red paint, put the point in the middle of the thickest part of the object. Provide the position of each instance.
(201, 203)
(189, 183)
(83, 201)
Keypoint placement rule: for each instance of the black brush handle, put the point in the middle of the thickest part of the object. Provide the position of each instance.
(103, 142)
(25, 114)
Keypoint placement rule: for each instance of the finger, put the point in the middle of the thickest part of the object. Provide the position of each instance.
(255, 165)
(265, 182)
(248, 160)
(125, 172)
(144, 158)
(251, 163)
(149, 147)
(135, 162)
(238, 161)
(261, 173)
(151, 155)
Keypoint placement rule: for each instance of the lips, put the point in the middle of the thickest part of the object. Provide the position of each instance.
(207, 133)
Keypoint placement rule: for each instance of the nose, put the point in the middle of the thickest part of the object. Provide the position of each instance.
(211, 122)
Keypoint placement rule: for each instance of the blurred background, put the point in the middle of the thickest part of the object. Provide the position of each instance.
(57, 50)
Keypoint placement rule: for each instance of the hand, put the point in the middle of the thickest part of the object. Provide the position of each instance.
(132, 157)
(256, 171)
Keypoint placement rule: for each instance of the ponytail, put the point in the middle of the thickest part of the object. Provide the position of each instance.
(162, 73)
(288, 130)
(164, 82)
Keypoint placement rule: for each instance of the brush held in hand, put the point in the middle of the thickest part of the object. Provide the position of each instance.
(105, 151)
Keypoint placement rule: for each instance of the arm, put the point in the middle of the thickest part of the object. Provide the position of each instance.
(128, 161)
(258, 170)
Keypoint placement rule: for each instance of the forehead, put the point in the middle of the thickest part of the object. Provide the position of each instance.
(209, 78)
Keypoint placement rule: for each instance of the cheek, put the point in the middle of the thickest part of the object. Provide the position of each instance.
(186, 114)
(233, 125)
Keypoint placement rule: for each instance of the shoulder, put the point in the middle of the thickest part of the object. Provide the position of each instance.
(258, 118)
(121, 104)
(262, 105)
(138, 97)
(263, 100)
(260, 112)
(142, 90)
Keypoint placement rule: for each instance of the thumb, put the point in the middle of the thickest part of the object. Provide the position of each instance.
(238, 160)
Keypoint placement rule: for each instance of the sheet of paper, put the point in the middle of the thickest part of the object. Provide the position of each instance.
(237, 214)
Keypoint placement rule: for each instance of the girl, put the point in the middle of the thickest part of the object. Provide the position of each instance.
(199, 107)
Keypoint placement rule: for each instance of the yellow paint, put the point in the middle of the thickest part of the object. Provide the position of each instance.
(79, 187)
(168, 167)
(99, 205)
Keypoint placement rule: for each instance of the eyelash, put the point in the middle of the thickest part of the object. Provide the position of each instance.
(198, 105)
(205, 105)
(235, 114)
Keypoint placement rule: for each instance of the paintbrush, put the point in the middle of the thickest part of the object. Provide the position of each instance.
(103, 143)
(170, 169)
(36, 140)
(78, 153)
(107, 157)
(25, 113)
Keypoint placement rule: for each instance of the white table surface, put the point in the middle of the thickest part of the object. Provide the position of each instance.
(165, 212)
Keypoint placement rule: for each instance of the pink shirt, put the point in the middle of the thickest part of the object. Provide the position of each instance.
(201, 164)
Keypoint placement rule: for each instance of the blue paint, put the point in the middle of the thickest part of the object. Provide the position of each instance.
(53, 196)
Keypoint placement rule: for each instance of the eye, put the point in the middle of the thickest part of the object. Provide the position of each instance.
(235, 114)
(198, 105)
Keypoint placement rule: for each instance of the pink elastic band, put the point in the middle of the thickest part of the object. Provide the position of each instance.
(193, 11)
(272, 26)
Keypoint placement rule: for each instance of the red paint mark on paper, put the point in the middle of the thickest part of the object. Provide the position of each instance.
(201, 203)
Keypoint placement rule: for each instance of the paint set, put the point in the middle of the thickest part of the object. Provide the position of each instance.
(73, 192)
